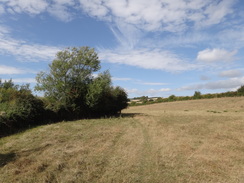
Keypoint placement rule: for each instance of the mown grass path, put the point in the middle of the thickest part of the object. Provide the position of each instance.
(190, 141)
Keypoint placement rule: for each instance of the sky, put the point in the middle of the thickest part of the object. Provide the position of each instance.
(153, 48)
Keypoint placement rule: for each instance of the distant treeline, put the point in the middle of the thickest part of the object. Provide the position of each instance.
(71, 91)
(144, 100)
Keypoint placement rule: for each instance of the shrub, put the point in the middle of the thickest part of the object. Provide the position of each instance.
(19, 108)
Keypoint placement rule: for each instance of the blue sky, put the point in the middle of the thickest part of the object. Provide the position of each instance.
(152, 48)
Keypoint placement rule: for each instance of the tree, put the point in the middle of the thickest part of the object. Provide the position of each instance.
(98, 89)
(197, 95)
(18, 107)
(121, 99)
(241, 90)
(65, 84)
(144, 99)
(172, 98)
(71, 89)
(103, 99)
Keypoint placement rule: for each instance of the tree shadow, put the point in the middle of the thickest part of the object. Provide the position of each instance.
(6, 158)
(130, 115)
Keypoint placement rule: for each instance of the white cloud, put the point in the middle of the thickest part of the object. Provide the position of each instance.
(24, 80)
(2, 10)
(4, 30)
(204, 78)
(61, 9)
(165, 89)
(231, 73)
(121, 79)
(150, 92)
(10, 70)
(221, 84)
(57, 8)
(94, 8)
(154, 84)
(132, 17)
(26, 6)
(216, 12)
(229, 38)
(154, 15)
(147, 59)
(26, 51)
(132, 91)
(216, 55)
(61, 12)
(130, 21)
(128, 35)
(234, 35)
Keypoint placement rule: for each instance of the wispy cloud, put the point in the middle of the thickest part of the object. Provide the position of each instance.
(228, 84)
(128, 35)
(2, 10)
(231, 73)
(8, 70)
(147, 59)
(152, 84)
(216, 55)
(132, 19)
(61, 9)
(215, 12)
(57, 8)
(23, 50)
(24, 80)
(121, 79)
(150, 92)
(204, 78)
(157, 15)
(27, 6)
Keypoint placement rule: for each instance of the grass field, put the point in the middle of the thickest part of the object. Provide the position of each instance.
(188, 141)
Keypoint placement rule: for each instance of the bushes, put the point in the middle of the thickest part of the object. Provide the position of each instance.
(73, 91)
(19, 108)
(103, 99)
(197, 95)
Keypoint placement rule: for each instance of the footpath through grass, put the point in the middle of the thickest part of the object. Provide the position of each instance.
(189, 141)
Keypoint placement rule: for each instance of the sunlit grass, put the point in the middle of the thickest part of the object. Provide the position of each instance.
(169, 142)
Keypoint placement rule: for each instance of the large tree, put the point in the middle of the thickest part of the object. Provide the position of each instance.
(72, 90)
(68, 76)
(104, 99)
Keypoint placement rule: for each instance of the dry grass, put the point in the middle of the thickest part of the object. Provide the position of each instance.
(189, 141)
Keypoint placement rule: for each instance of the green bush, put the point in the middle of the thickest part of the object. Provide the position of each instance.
(19, 108)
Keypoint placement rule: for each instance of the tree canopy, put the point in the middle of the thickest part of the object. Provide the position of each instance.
(241, 90)
(70, 85)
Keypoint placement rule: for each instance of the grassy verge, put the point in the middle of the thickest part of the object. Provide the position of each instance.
(169, 142)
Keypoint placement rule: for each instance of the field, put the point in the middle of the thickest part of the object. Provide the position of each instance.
(187, 141)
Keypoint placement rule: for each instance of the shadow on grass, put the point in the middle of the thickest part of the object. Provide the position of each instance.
(130, 115)
(6, 158)
(15, 131)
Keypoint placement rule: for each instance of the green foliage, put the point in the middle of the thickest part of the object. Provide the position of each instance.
(197, 95)
(241, 90)
(103, 99)
(144, 99)
(172, 98)
(121, 98)
(71, 89)
(19, 108)
(71, 92)
(68, 76)
(98, 89)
